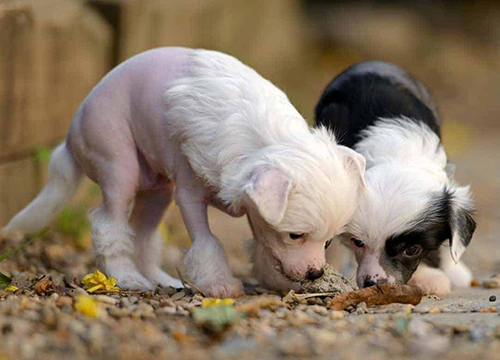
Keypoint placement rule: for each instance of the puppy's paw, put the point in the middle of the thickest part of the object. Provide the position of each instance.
(222, 288)
(127, 274)
(134, 281)
(459, 274)
(160, 277)
(432, 281)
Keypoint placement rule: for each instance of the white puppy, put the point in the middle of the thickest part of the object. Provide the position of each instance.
(203, 127)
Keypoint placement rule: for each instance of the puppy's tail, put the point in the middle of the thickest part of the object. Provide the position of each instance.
(64, 177)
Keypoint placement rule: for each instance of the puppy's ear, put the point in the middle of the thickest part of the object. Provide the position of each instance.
(267, 191)
(462, 225)
(355, 162)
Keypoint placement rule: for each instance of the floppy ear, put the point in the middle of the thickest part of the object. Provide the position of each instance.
(462, 225)
(267, 191)
(354, 161)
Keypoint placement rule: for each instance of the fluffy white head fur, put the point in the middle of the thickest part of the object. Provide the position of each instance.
(406, 168)
(243, 137)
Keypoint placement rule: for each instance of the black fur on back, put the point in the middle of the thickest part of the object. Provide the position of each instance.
(357, 101)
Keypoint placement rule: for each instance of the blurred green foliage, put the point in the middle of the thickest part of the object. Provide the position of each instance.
(42, 156)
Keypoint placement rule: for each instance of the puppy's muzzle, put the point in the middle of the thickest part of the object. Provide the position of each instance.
(313, 274)
(369, 281)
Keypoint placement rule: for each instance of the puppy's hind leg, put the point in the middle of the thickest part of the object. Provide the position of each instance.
(148, 211)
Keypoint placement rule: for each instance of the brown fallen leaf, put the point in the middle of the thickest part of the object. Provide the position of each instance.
(378, 295)
(44, 287)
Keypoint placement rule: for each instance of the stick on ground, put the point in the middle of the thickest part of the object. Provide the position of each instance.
(378, 295)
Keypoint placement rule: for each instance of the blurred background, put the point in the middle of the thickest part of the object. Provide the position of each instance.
(52, 52)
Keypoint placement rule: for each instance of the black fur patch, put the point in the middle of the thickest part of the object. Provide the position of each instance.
(429, 230)
(359, 101)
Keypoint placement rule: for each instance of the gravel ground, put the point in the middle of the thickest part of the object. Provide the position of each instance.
(39, 321)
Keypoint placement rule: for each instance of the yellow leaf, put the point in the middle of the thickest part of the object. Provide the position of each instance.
(98, 281)
(209, 302)
(11, 288)
(87, 305)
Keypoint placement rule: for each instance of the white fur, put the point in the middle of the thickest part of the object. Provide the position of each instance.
(405, 163)
(431, 280)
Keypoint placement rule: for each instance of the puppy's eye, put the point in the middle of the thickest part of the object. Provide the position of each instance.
(296, 236)
(358, 243)
(328, 243)
(413, 250)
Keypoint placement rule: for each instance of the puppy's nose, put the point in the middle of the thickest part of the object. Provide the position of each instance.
(313, 274)
(369, 282)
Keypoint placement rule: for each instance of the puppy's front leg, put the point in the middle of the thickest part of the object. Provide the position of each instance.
(206, 261)
(432, 281)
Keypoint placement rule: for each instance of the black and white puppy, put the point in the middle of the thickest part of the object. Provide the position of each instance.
(413, 216)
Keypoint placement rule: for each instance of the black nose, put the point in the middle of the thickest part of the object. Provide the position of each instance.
(368, 283)
(314, 274)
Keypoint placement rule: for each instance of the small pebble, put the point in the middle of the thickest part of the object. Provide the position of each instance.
(178, 296)
(106, 299)
(118, 312)
(259, 290)
(493, 298)
(337, 315)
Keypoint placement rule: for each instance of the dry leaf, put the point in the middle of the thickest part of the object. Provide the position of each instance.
(44, 286)
(11, 288)
(378, 295)
(87, 305)
(215, 319)
(97, 281)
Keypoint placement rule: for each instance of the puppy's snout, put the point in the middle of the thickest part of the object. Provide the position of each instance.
(313, 274)
(370, 282)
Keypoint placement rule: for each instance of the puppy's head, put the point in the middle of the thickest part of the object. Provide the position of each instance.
(401, 220)
(295, 207)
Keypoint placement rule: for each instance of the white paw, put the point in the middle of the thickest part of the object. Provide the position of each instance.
(127, 274)
(134, 281)
(160, 277)
(222, 288)
(459, 274)
(432, 281)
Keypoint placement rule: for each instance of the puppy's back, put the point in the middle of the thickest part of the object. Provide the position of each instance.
(371, 90)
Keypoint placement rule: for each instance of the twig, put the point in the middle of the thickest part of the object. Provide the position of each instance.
(188, 284)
